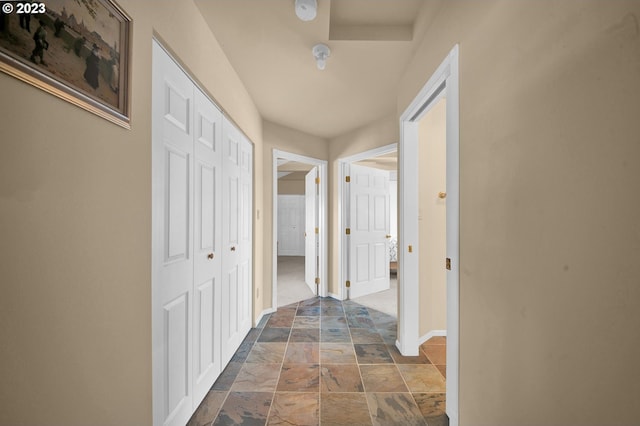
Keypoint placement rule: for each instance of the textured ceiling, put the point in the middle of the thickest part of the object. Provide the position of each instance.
(371, 43)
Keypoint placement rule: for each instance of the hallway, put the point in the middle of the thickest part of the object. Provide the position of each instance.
(326, 362)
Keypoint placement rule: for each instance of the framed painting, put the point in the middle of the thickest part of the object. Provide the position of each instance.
(77, 50)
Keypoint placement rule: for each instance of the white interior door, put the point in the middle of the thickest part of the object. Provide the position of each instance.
(237, 239)
(172, 231)
(310, 226)
(369, 227)
(207, 257)
(291, 225)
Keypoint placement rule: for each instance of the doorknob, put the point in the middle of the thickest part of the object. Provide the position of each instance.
(210, 256)
(233, 248)
(442, 195)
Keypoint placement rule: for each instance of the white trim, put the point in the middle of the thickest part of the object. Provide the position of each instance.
(334, 296)
(322, 220)
(445, 78)
(343, 171)
(432, 333)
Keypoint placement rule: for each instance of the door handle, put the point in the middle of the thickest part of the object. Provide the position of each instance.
(233, 248)
(210, 256)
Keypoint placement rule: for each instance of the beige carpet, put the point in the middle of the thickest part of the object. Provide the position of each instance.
(291, 285)
(384, 301)
(292, 288)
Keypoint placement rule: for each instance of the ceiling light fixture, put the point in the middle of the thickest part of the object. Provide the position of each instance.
(306, 9)
(321, 52)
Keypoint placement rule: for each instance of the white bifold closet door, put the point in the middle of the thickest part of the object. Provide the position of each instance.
(189, 262)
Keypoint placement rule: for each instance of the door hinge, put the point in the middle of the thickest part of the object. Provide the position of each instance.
(348, 231)
(317, 180)
(348, 283)
(448, 264)
(317, 231)
(317, 280)
(410, 248)
(347, 179)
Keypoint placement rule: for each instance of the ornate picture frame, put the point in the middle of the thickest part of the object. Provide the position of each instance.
(77, 50)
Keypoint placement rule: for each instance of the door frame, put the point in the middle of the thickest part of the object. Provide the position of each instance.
(445, 78)
(322, 220)
(343, 206)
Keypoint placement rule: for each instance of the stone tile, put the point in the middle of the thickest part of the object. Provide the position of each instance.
(333, 322)
(306, 322)
(431, 404)
(330, 301)
(305, 335)
(394, 409)
(344, 409)
(274, 335)
(443, 370)
(252, 336)
(314, 301)
(437, 354)
(375, 353)
(267, 353)
(245, 408)
(436, 340)
(335, 335)
(263, 322)
(331, 311)
(257, 378)
(365, 335)
(289, 307)
(300, 409)
(281, 320)
(308, 311)
(242, 352)
(227, 377)
(382, 378)
(302, 353)
(422, 378)
(401, 359)
(353, 308)
(388, 337)
(337, 353)
(340, 378)
(359, 321)
(299, 378)
(208, 409)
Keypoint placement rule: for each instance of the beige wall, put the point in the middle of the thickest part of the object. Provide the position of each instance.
(432, 219)
(295, 142)
(293, 184)
(75, 220)
(381, 132)
(549, 229)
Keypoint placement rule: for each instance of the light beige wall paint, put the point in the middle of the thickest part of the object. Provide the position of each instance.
(381, 132)
(75, 220)
(432, 219)
(549, 230)
(291, 187)
(295, 142)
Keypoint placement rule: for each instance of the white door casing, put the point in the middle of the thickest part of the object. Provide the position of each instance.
(291, 225)
(444, 79)
(311, 224)
(369, 227)
(172, 231)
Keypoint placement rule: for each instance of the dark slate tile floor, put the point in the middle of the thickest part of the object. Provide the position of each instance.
(326, 362)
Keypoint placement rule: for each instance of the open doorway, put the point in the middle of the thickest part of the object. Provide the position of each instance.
(433, 192)
(299, 228)
(368, 261)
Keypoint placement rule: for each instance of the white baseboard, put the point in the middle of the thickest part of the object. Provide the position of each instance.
(335, 296)
(432, 333)
(262, 314)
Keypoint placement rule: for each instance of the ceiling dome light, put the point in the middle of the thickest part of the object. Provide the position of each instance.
(306, 9)
(321, 52)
